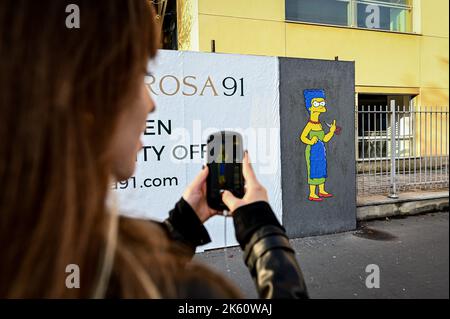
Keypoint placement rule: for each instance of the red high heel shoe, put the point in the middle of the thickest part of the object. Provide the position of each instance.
(315, 199)
(325, 195)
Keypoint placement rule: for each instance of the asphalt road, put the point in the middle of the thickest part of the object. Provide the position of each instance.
(412, 255)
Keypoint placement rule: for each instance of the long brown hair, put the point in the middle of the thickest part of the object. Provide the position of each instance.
(61, 93)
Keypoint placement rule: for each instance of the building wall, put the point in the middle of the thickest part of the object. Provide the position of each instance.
(385, 62)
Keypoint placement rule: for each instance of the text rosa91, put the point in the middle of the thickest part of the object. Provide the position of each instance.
(190, 85)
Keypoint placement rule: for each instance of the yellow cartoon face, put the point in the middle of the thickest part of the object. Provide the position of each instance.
(318, 105)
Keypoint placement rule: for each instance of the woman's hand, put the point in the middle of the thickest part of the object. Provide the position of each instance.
(254, 191)
(314, 140)
(333, 127)
(195, 195)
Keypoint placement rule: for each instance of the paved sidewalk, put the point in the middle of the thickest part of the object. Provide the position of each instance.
(412, 253)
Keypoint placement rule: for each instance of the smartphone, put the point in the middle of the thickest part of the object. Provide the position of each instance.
(225, 153)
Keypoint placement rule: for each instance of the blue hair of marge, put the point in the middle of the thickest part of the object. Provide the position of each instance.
(311, 94)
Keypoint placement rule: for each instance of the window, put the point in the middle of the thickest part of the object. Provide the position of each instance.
(318, 11)
(374, 126)
(390, 15)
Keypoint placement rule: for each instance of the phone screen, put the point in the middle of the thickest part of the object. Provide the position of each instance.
(224, 156)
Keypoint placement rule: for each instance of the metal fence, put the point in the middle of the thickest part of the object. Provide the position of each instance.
(401, 148)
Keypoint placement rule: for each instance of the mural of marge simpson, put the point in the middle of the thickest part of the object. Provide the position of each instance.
(315, 139)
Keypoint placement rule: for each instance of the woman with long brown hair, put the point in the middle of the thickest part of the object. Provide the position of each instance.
(73, 105)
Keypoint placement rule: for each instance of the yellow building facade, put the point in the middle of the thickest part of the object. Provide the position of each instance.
(410, 60)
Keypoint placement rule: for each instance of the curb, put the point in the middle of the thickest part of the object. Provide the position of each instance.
(402, 206)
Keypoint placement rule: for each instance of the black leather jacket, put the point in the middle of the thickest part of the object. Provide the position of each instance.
(267, 252)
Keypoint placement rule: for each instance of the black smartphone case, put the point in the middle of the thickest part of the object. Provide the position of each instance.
(224, 160)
